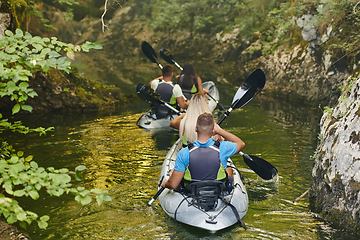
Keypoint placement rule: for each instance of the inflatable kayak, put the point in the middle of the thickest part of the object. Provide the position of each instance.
(210, 206)
(150, 119)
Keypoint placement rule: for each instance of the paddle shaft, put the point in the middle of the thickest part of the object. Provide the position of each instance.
(155, 196)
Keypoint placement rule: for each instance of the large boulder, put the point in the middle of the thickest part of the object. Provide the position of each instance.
(335, 190)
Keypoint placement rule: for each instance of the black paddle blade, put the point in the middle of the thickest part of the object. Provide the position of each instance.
(257, 79)
(149, 51)
(166, 55)
(148, 94)
(252, 85)
(261, 167)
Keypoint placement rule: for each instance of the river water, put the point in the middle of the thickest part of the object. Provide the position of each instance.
(126, 160)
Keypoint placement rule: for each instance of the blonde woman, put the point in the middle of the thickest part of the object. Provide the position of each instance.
(186, 122)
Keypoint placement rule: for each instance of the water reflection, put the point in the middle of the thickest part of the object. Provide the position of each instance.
(126, 161)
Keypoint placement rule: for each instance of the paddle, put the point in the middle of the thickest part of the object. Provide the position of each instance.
(251, 86)
(149, 95)
(166, 55)
(150, 53)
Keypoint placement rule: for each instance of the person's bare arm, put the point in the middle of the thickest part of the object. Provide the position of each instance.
(175, 123)
(230, 171)
(174, 180)
(200, 87)
(182, 103)
(158, 78)
(229, 137)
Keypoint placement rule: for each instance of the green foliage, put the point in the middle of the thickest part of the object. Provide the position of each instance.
(275, 20)
(21, 56)
(348, 85)
(22, 177)
(328, 110)
(63, 5)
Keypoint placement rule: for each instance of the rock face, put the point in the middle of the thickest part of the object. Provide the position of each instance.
(335, 190)
(307, 70)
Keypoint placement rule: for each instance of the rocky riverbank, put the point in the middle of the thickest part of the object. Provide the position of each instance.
(335, 190)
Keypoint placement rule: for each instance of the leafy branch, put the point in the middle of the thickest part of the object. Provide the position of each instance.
(21, 56)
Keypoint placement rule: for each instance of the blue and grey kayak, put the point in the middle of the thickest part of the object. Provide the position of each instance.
(150, 119)
(226, 211)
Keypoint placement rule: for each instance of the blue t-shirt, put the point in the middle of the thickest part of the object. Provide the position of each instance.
(227, 149)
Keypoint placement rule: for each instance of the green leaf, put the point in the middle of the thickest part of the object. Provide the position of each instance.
(19, 33)
(64, 170)
(34, 194)
(21, 216)
(16, 109)
(42, 225)
(44, 218)
(16, 78)
(32, 94)
(45, 51)
(23, 224)
(29, 158)
(96, 191)
(97, 45)
(99, 199)
(8, 187)
(14, 159)
(11, 86)
(78, 176)
(107, 198)
(54, 54)
(19, 193)
(23, 86)
(23, 78)
(70, 55)
(9, 33)
(27, 36)
(85, 48)
(20, 153)
(86, 200)
(27, 108)
(80, 168)
(84, 193)
(34, 165)
(11, 219)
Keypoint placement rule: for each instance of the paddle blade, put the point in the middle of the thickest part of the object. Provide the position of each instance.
(148, 94)
(252, 85)
(149, 51)
(261, 167)
(166, 55)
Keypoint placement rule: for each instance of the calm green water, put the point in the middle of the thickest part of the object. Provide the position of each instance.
(126, 161)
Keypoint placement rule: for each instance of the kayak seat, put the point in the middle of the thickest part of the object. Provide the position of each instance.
(205, 194)
(161, 111)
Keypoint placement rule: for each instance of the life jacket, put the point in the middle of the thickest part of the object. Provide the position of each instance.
(204, 164)
(166, 92)
(188, 92)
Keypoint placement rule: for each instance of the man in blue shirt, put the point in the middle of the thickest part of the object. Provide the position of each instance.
(205, 161)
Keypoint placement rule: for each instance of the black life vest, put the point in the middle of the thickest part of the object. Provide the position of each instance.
(188, 92)
(204, 164)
